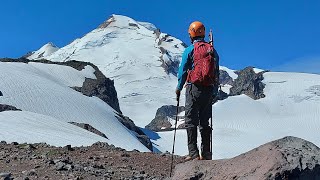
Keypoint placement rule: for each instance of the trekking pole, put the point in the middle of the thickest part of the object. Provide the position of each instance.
(211, 136)
(174, 136)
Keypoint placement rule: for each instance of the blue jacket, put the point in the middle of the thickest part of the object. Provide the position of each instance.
(187, 64)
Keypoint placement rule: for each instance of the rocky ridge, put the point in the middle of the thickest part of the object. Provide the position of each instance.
(4, 107)
(286, 158)
(99, 161)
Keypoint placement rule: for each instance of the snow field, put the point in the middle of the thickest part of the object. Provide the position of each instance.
(45, 89)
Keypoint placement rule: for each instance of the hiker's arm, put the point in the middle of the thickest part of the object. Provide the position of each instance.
(184, 66)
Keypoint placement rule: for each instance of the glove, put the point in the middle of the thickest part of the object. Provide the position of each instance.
(178, 92)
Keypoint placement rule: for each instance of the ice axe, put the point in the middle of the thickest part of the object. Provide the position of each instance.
(174, 135)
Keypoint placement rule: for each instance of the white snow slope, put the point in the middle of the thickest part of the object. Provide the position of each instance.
(291, 108)
(129, 52)
(44, 91)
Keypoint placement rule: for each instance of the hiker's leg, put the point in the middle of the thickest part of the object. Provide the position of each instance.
(205, 129)
(191, 121)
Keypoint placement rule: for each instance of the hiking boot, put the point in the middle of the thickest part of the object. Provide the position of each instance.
(207, 156)
(189, 158)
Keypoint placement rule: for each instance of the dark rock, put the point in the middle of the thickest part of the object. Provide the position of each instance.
(125, 155)
(248, 83)
(32, 172)
(184, 45)
(224, 78)
(90, 128)
(102, 87)
(68, 148)
(128, 123)
(145, 140)
(286, 158)
(4, 175)
(1, 93)
(161, 122)
(134, 25)
(96, 166)
(221, 96)
(15, 143)
(4, 107)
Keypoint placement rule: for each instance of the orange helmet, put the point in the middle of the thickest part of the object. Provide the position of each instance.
(196, 29)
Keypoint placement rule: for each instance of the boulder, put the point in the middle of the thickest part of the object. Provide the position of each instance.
(161, 121)
(248, 83)
(286, 158)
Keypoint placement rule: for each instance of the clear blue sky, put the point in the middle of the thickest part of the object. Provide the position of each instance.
(265, 34)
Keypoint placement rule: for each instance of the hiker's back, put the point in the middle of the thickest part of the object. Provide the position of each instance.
(203, 72)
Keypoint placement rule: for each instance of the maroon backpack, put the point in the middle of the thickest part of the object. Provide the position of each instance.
(203, 72)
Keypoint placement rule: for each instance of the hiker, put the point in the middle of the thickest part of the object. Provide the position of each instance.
(202, 81)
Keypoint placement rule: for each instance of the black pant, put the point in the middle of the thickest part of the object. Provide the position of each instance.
(198, 110)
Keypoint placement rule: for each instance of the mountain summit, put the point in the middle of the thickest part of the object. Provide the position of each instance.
(141, 60)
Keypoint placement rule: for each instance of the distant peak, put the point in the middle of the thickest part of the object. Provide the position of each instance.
(50, 44)
(44, 51)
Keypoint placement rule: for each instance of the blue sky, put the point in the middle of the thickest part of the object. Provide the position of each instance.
(266, 34)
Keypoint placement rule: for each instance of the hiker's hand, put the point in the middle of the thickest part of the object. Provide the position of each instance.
(178, 92)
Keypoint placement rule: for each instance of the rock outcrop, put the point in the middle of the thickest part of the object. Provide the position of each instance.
(102, 87)
(4, 107)
(128, 123)
(286, 158)
(88, 127)
(161, 121)
(248, 83)
(224, 78)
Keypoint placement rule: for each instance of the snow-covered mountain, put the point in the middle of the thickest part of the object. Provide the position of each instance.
(44, 51)
(142, 61)
(45, 94)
